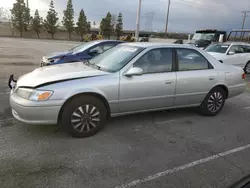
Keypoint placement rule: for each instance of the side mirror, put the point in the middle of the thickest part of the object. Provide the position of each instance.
(231, 53)
(134, 71)
(93, 52)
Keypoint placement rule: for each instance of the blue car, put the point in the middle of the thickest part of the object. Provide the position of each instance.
(82, 52)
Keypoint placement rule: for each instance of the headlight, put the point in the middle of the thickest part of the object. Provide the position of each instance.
(33, 94)
(45, 60)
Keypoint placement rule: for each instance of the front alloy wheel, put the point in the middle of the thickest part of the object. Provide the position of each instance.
(85, 118)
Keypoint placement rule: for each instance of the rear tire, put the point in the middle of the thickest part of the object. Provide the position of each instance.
(213, 103)
(84, 116)
(247, 68)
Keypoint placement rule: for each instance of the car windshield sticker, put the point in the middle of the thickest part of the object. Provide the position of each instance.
(129, 49)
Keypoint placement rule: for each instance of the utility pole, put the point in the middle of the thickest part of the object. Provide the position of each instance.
(138, 21)
(244, 18)
(27, 2)
(166, 29)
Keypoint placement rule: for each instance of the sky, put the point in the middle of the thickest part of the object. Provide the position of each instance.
(185, 15)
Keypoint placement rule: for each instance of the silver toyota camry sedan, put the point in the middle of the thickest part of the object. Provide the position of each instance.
(129, 78)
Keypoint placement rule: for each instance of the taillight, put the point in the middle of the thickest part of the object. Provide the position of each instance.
(243, 76)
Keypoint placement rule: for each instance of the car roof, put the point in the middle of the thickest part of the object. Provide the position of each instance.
(153, 44)
(115, 41)
(233, 43)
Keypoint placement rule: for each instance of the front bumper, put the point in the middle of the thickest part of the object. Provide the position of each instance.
(32, 113)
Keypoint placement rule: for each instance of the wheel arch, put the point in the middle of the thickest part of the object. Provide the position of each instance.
(97, 95)
(224, 87)
(246, 67)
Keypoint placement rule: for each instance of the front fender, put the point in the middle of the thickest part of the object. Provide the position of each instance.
(83, 91)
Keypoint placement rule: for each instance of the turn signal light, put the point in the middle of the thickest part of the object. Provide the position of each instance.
(44, 96)
(243, 76)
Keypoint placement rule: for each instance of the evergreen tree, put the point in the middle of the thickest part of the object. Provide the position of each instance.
(51, 20)
(68, 19)
(27, 18)
(113, 23)
(82, 24)
(88, 27)
(105, 26)
(20, 16)
(36, 23)
(119, 26)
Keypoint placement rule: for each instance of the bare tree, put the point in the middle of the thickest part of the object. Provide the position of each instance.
(4, 15)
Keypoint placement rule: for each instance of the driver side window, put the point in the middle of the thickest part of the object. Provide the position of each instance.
(156, 61)
(236, 49)
(96, 50)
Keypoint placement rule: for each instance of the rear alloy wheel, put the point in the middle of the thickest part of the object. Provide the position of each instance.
(214, 102)
(84, 116)
(247, 68)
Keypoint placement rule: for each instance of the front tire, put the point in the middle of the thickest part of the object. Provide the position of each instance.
(247, 68)
(84, 116)
(214, 102)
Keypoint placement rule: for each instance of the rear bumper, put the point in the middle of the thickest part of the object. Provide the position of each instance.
(34, 114)
(236, 90)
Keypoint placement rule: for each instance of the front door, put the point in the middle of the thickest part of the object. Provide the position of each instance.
(155, 88)
(238, 58)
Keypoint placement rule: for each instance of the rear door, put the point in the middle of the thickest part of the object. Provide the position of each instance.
(195, 77)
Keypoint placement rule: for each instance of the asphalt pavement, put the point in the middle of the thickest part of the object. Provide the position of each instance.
(172, 149)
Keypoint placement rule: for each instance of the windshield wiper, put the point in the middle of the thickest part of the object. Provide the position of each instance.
(87, 62)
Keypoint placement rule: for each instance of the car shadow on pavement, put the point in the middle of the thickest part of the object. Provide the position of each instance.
(114, 124)
(38, 131)
(156, 117)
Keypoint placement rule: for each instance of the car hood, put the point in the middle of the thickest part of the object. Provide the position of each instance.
(59, 55)
(218, 56)
(54, 73)
(200, 43)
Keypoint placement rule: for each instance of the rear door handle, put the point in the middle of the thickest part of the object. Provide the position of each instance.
(168, 82)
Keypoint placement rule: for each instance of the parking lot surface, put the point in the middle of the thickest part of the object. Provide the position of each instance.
(177, 148)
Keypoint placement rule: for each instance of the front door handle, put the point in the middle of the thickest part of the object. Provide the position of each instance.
(211, 78)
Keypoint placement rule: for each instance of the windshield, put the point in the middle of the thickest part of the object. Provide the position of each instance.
(115, 58)
(218, 48)
(83, 47)
(203, 36)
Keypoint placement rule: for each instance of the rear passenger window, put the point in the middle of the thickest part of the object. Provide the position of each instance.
(189, 59)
